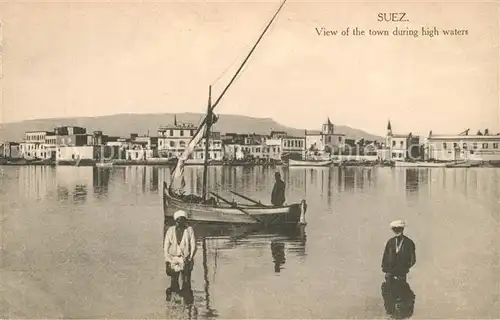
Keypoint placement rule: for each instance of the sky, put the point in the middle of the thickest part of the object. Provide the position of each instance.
(96, 58)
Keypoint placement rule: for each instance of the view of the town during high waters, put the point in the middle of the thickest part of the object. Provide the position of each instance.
(250, 160)
(83, 242)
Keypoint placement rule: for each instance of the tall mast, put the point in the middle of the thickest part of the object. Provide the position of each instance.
(245, 61)
(207, 140)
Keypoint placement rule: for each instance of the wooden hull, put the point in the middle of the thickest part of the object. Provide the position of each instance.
(253, 214)
(309, 163)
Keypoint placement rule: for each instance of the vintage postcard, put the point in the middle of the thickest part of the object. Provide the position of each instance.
(277, 159)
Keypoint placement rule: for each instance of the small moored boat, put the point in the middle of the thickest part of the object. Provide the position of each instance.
(419, 164)
(309, 163)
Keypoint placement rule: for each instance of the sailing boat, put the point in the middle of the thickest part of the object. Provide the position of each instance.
(218, 209)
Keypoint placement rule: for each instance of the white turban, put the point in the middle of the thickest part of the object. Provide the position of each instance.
(180, 213)
(398, 224)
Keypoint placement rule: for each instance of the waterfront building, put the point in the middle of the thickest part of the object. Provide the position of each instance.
(478, 147)
(293, 147)
(399, 147)
(273, 148)
(325, 141)
(11, 150)
(142, 148)
(34, 145)
(173, 139)
(77, 153)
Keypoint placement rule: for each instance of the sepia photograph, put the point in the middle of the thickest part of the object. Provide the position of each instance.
(276, 159)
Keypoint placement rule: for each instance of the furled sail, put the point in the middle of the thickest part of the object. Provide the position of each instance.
(178, 182)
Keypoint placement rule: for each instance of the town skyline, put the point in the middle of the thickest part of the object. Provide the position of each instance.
(381, 133)
(89, 59)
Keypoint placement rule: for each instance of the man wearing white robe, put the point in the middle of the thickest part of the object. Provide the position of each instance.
(179, 249)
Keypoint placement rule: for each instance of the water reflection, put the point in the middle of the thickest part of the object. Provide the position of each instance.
(80, 194)
(100, 181)
(278, 253)
(213, 238)
(399, 298)
(412, 179)
(123, 208)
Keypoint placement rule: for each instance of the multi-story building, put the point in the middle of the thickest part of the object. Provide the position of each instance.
(293, 147)
(326, 140)
(273, 148)
(173, 139)
(142, 148)
(399, 147)
(63, 143)
(10, 150)
(479, 147)
(34, 145)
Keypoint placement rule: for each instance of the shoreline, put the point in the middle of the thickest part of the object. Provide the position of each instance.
(347, 165)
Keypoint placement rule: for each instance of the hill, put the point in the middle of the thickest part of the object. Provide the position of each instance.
(125, 124)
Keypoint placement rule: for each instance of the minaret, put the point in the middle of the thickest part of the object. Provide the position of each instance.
(388, 139)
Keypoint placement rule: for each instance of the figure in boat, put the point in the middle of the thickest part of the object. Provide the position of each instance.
(278, 193)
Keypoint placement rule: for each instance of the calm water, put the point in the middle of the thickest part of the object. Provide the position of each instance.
(87, 243)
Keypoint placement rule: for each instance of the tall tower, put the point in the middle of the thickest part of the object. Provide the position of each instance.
(328, 127)
(388, 140)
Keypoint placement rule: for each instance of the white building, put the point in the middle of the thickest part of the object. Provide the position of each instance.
(75, 153)
(273, 148)
(325, 141)
(173, 139)
(463, 147)
(399, 147)
(34, 145)
(293, 146)
(233, 151)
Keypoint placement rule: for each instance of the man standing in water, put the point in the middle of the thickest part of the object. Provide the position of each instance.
(180, 248)
(399, 256)
(278, 194)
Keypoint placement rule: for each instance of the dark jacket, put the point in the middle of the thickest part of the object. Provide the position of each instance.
(278, 194)
(398, 263)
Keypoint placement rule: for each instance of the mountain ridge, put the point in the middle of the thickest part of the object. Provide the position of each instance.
(123, 124)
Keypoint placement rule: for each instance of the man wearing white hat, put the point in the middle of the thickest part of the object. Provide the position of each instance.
(399, 256)
(179, 248)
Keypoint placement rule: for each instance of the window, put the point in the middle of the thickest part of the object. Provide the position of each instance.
(340, 139)
(495, 146)
(485, 145)
(182, 144)
(182, 133)
(464, 145)
(401, 143)
(191, 132)
(474, 145)
(455, 145)
(394, 143)
(444, 145)
(171, 132)
(394, 155)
